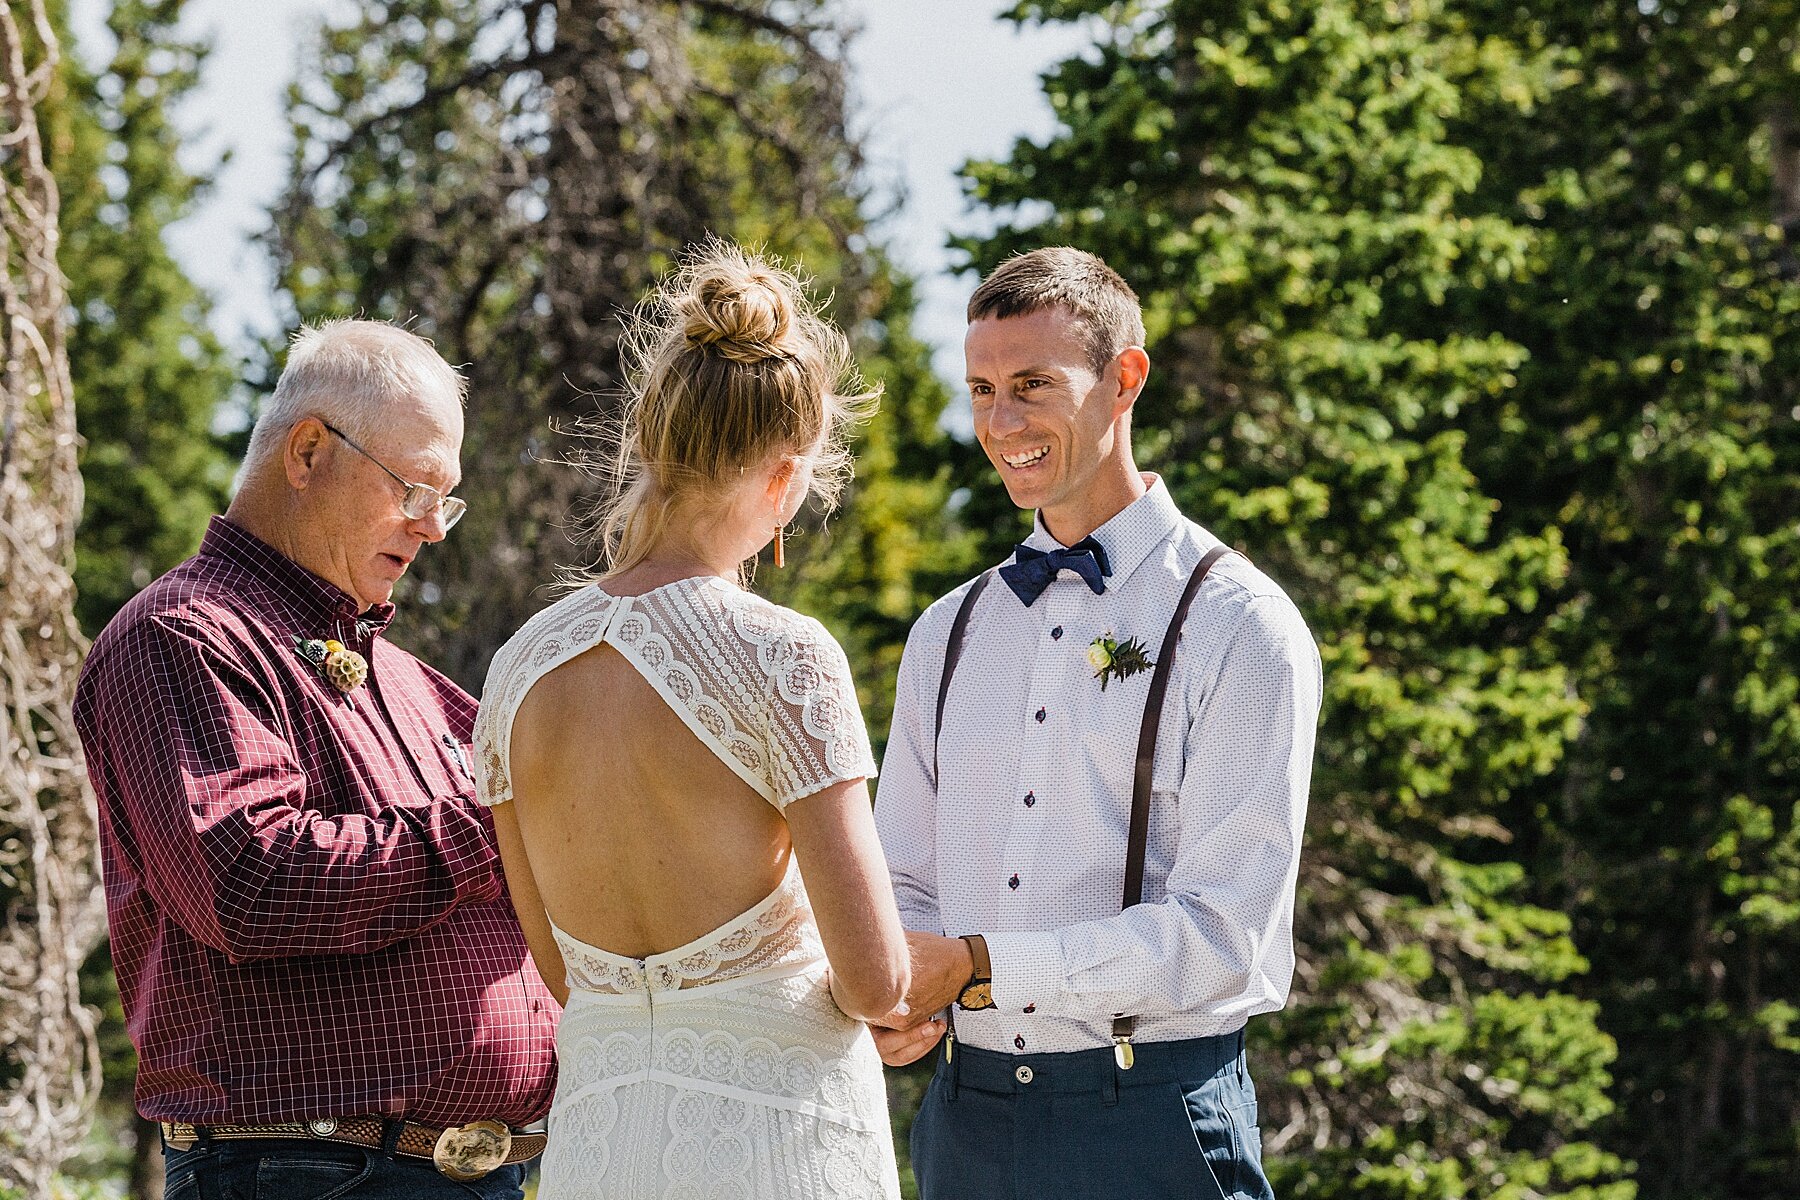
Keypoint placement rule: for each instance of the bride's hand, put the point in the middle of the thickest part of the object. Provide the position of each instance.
(941, 967)
(898, 1047)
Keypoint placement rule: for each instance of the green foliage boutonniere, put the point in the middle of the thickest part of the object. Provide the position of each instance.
(1116, 660)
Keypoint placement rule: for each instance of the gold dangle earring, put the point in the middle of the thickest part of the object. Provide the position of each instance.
(780, 557)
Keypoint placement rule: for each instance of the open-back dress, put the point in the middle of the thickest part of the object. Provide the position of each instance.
(722, 1068)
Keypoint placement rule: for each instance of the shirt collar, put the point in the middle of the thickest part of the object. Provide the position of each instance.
(1130, 535)
(317, 599)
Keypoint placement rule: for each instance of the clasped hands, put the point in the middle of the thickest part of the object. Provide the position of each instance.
(941, 968)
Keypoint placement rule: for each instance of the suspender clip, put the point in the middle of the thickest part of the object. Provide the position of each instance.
(1122, 1053)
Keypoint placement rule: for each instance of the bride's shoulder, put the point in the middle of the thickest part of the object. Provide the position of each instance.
(743, 602)
(546, 634)
(765, 621)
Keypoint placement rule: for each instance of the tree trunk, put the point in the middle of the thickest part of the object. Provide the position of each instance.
(146, 1161)
(49, 882)
(1784, 163)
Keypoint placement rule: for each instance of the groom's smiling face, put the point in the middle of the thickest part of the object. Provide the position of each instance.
(1042, 413)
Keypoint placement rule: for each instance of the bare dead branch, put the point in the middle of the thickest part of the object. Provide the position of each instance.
(49, 878)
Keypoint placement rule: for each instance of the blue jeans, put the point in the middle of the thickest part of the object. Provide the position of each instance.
(1180, 1123)
(291, 1169)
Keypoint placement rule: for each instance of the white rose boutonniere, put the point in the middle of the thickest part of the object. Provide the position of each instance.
(1113, 659)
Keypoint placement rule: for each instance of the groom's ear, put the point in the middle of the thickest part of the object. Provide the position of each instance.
(1134, 369)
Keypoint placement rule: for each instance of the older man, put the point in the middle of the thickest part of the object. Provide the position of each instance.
(318, 962)
(1096, 781)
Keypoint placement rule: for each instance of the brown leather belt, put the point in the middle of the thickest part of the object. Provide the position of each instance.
(461, 1152)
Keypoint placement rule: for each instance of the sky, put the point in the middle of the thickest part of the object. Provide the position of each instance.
(937, 82)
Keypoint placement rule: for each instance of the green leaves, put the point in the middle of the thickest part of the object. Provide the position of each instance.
(513, 177)
(1317, 272)
(1653, 422)
(150, 377)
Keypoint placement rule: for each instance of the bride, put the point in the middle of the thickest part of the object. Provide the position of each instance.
(678, 772)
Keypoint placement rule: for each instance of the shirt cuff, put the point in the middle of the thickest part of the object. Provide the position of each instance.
(1028, 968)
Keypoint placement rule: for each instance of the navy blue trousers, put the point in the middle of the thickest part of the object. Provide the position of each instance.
(1180, 1123)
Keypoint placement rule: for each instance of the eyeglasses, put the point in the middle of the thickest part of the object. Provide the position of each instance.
(420, 500)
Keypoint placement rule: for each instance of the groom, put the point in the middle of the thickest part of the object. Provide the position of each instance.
(1093, 793)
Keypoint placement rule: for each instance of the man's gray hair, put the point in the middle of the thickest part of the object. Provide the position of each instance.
(349, 372)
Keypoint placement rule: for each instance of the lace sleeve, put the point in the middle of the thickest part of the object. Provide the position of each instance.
(493, 730)
(552, 637)
(815, 735)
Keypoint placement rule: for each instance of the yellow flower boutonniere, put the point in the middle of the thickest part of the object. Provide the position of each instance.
(1112, 659)
(344, 667)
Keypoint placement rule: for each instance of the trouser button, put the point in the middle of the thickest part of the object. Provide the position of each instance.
(1023, 1074)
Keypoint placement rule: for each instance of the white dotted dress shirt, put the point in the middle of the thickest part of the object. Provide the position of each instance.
(1018, 833)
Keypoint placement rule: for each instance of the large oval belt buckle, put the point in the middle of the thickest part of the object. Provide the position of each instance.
(466, 1152)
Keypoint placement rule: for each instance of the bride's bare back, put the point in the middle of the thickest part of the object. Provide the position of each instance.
(657, 760)
(641, 839)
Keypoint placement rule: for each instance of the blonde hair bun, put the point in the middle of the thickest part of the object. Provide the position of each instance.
(727, 362)
(741, 308)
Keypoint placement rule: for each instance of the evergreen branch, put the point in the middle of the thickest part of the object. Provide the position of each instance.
(365, 128)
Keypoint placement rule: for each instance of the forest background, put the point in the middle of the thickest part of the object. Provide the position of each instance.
(1472, 322)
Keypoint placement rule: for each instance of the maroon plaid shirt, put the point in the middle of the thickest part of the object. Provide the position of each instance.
(307, 912)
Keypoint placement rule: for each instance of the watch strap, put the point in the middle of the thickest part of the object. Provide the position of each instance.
(978, 950)
(978, 993)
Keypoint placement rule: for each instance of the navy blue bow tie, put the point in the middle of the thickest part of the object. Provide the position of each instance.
(1032, 573)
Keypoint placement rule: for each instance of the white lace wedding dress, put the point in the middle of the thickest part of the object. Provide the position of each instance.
(722, 1068)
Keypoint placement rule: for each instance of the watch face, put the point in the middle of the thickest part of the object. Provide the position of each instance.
(976, 996)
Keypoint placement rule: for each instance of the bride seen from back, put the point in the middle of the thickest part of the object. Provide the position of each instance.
(678, 774)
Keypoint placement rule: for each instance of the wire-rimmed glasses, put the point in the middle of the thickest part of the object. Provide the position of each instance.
(420, 500)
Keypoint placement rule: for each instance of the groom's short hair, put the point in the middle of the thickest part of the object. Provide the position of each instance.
(1064, 277)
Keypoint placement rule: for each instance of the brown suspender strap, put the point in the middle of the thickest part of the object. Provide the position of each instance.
(1139, 838)
(1146, 748)
(959, 628)
(1137, 841)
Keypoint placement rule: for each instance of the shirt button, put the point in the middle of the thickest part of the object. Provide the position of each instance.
(1023, 1074)
(1040, 716)
(1013, 883)
(1030, 799)
(1056, 634)
(1019, 1040)
(1031, 1008)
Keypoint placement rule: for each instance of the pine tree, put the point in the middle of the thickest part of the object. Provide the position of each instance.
(150, 376)
(1657, 423)
(1281, 185)
(49, 1059)
(512, 177)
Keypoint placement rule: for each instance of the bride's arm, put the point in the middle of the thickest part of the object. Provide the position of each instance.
(522, 886)
(846, 877)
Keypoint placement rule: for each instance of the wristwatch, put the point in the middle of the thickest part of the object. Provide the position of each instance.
(978, 993)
